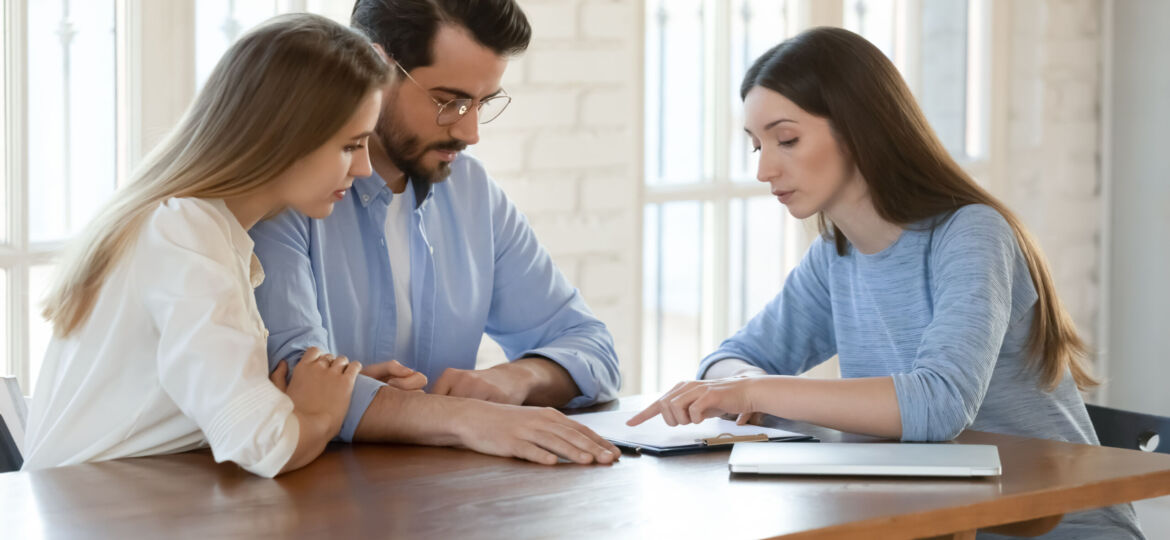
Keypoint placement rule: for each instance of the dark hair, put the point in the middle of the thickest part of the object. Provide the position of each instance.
(407, 28)
(835, 74)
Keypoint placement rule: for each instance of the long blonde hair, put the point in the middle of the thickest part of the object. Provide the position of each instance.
(277, 94)
(838, 75)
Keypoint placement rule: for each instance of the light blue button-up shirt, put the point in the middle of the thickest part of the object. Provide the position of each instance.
(476, 267)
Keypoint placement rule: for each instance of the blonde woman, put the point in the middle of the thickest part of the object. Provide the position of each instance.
(158, 346)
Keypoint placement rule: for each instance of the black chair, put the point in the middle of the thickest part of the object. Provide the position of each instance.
(10, 459)
(1135, 431)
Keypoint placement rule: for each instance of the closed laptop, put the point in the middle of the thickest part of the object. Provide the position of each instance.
(866, 459)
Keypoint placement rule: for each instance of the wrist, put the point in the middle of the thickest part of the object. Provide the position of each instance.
(462, 424)
(522, 375)
(317, 426)
(438, 420)
(755, 388)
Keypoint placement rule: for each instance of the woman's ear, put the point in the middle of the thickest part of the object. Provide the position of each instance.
(382, 52)
(846, 149)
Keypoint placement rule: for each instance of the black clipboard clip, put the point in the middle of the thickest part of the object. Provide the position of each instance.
(727, 438)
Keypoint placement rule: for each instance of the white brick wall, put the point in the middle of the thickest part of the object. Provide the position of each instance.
(1053, 149)
(568, 152)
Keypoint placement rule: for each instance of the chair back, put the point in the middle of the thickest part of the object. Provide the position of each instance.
(13, 420)
(1132, 430)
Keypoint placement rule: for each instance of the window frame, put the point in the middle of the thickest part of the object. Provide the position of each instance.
(715, 191)
(155, 85)
(153, 90)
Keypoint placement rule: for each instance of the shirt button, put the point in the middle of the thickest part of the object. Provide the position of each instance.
(365, 198)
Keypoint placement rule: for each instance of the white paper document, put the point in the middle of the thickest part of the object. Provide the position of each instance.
(655, 434)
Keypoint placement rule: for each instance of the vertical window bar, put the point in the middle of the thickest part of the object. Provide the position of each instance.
(659, 338)
(743, 262)
(66, 31)
(745, 14)
(231, 25)
(16, 135)
(702, 78)
(860, 9)
(661, 120)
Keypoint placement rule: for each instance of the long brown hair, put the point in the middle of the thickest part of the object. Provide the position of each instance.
(276, 95)
(838, 75)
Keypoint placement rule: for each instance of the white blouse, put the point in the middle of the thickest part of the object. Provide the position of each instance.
(172, 357)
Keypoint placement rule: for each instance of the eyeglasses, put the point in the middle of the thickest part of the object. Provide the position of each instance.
(454, 110)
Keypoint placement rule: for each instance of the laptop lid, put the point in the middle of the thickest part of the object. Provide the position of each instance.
(866, 459)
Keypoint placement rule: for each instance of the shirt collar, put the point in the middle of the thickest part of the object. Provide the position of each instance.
(368, 188)
(371, 187)
(241, 242)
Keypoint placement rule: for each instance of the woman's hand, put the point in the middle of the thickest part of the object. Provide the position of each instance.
(320, 390)
(321, 386)
(692, 402)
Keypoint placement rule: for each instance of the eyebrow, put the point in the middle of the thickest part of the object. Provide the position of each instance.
(463, 95)
(361, 135)
(772, 124)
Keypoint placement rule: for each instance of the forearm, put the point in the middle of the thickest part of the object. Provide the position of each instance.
(549, 384)
(315, 431)
(865, 405)
(410, 417)
(732, 367)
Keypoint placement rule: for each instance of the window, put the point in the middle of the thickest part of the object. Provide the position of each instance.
(218, 23)
(61, 153)
(716, 246)
(942, 48)
(86, 82)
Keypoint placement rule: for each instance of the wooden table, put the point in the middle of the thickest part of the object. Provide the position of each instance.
(383, 491)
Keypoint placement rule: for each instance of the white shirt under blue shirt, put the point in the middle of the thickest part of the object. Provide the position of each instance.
(475, 267)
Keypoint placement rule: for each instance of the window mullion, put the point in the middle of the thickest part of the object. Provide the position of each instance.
(719, 106)
(16, 115)
(812, 13)
(909, 55)
(128, 91)
(165, 74)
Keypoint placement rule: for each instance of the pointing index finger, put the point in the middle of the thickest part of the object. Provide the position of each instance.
(646, 414)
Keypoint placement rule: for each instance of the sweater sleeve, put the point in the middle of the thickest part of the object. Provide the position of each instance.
(972, 265)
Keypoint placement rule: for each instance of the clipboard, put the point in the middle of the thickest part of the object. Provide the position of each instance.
(655, 438)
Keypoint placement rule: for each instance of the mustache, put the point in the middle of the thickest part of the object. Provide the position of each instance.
(452, 145)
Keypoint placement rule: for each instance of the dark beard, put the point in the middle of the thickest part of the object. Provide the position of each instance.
(406, 151)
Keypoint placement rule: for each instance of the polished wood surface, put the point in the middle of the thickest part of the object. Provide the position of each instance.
(408, 491)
